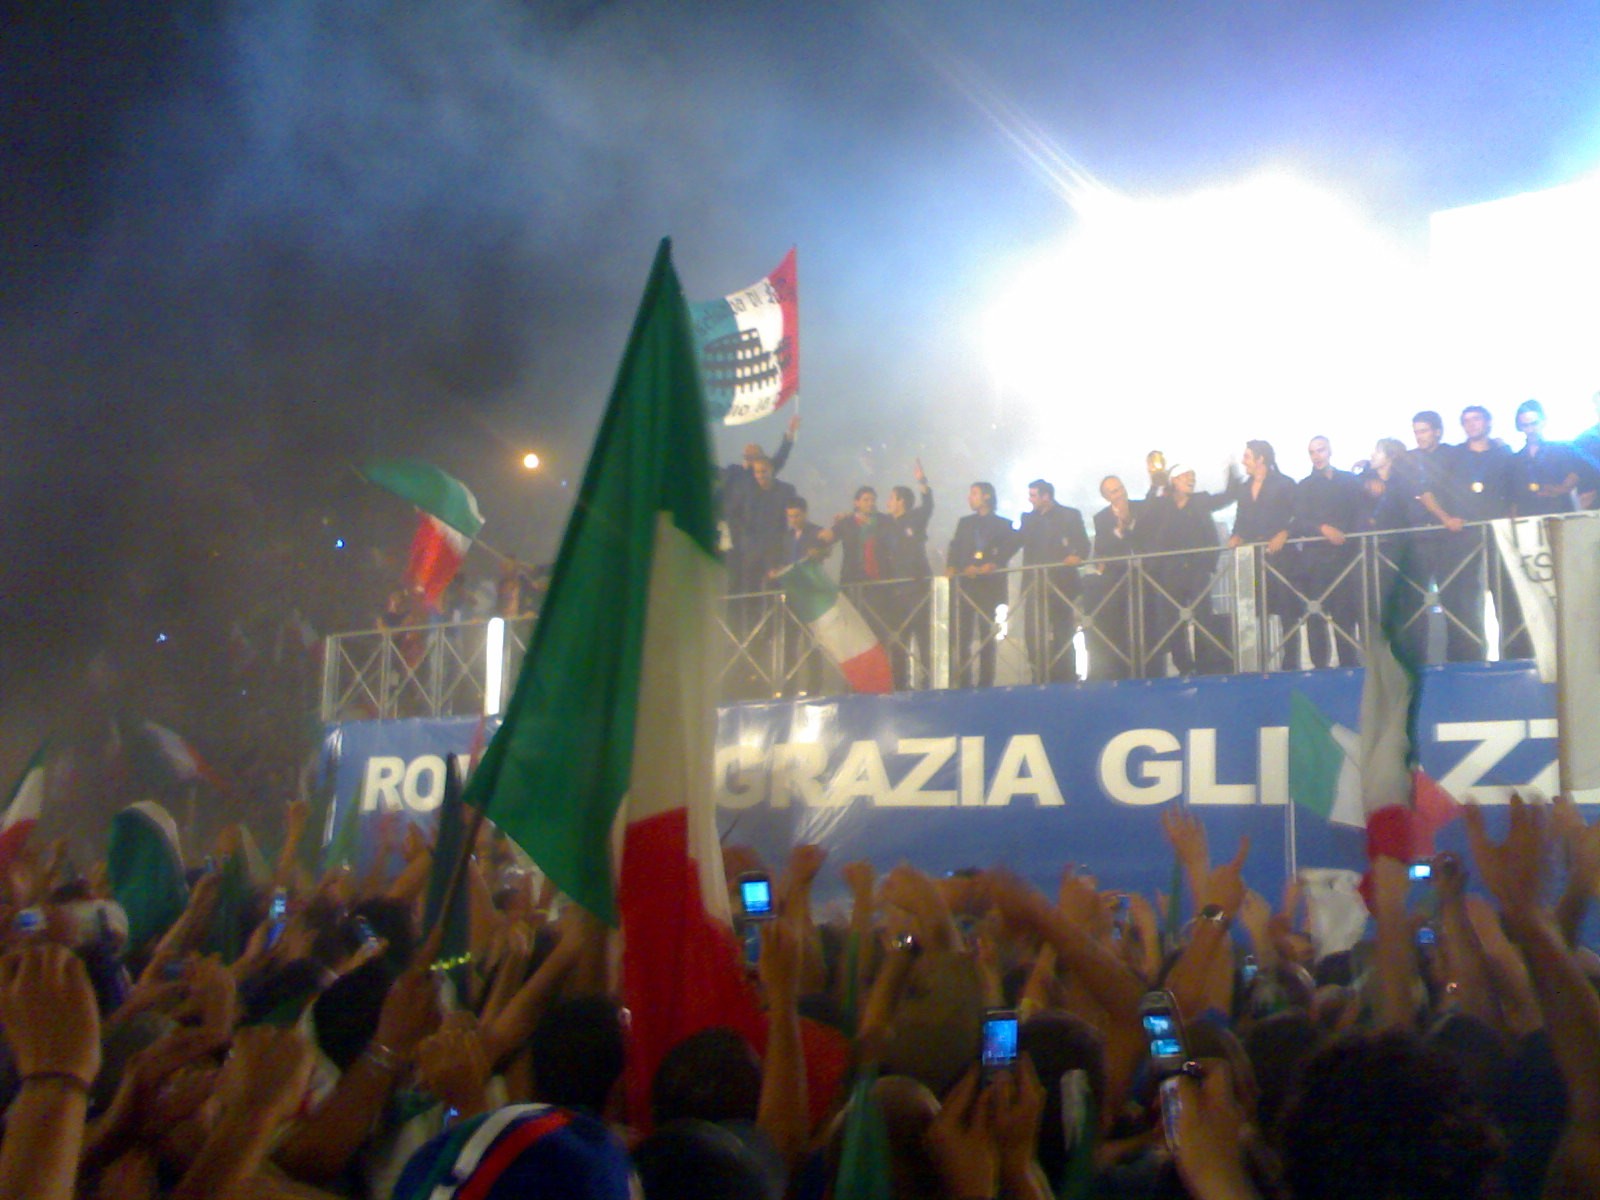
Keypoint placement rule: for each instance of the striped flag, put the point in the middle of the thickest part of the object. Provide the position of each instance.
(27, 801)
(749, 347)
(839, 629)
(615, 708)
(1324, 768)
(448, 520)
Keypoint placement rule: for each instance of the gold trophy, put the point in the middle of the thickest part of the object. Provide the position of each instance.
(1156, 463)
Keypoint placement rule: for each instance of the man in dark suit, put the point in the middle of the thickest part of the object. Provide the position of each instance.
(1120, 531)
(984, 542)
(1054, 540)
(908, 609)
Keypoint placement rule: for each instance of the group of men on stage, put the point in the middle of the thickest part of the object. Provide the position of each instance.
(1435, 491)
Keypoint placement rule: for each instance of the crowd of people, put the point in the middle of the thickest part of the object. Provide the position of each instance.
(289, 1036)
(1436, 492)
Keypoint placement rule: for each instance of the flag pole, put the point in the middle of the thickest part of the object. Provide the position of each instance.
(1565, 720)
(1291, 853)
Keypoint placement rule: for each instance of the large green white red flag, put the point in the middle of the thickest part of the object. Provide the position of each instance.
(448, 520)
(615, 708)
(749, 347)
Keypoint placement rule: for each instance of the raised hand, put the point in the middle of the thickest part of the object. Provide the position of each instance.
(1513, 871)
(1225, 884)
(267, 1073)
(1188, 838)
(1018, 1101)
(860, 878)
(804, 863)
(410, 1011)
(961, 1141)
(779, 966)
(453, 1065)
(48, 1013)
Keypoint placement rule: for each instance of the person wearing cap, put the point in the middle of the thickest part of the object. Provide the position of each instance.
(983, 543)
(1177, 605)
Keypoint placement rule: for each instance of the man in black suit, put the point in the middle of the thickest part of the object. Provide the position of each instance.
(1120, 531)
(908, 604)
(1053, 539)
(984, 542)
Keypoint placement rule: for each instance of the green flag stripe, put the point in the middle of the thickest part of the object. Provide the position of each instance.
(1315, 758)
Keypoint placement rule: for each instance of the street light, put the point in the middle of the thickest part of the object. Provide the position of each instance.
(530, 460)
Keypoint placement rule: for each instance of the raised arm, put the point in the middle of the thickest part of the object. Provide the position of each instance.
(1513, 872)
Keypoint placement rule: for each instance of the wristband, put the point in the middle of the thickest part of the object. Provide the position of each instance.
(382, 1057)
(56, 1077)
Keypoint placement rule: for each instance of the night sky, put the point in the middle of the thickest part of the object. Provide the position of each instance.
(246, 245)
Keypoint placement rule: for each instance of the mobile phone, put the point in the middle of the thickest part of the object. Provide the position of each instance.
(29, 920)
(999, 1041)
(755, 894)
(278, 913)
(1163, 1033)
(1247, 972)
(752, 946)
(364, 931)
(1421, 870)
(1426, 936)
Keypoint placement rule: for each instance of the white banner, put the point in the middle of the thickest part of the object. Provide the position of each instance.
(1576, 542)
(1525, 553)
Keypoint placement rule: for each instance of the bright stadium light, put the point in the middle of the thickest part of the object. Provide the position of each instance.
(1263, 309)
(1515, 304)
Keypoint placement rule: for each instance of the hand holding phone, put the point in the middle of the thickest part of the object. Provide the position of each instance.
(755, 896)
(1163, 1031)
(999, 1052)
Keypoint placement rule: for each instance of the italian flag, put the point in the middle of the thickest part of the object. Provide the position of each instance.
(145, 866)
(1369, 779)
(613, 716)
(749, 347)
(447, 520)
(839, 629)
(27, 801)
(1324, 765)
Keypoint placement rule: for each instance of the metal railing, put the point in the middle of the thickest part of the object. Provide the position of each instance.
(439, 670)
(1210, 611)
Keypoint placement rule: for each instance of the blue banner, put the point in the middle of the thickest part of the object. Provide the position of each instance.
(394, 767)
(1037, 777)
(1034, 777)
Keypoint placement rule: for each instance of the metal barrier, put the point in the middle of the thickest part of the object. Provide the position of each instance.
(1211, 611)
(421, 671)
